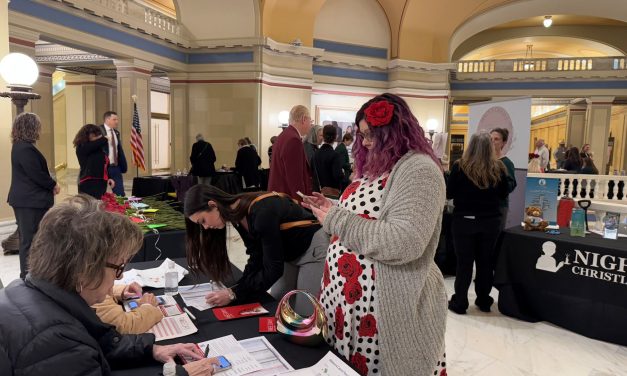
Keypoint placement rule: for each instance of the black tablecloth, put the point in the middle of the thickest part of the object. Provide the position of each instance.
(171, 244)
(587, 294)
(229, 182)
(144, 186)
(209, 328)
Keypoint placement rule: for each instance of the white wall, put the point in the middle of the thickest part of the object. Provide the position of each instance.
(360, 22)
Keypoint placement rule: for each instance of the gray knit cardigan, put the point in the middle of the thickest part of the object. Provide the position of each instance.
(402, 243)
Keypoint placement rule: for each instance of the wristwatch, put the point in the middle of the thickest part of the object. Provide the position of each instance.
(232, 295)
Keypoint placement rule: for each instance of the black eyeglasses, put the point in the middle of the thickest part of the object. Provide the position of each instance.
(119, 269)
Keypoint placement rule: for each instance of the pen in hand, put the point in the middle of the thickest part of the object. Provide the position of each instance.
(207, 351)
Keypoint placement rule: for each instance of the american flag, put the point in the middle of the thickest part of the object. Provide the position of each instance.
(137, 146)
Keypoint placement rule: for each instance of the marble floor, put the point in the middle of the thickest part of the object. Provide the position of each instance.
(477, 343)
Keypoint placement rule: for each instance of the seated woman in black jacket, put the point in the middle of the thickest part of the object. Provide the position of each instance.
(93, 160)
(46, 323)
(285, 244)
(477, 184)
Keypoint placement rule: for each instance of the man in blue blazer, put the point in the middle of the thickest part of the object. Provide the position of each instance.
(117, 159)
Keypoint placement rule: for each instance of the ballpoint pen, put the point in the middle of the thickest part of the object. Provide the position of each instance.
(207, 351)
(189, 313)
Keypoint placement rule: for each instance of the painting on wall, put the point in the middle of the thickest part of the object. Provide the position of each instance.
(342, 118)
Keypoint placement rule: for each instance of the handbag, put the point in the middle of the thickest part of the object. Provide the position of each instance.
(305, 331)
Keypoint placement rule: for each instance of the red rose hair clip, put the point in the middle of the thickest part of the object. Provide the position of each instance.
(379, 113)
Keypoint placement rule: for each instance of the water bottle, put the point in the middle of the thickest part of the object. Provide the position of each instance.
(577, 223)
(171, 279)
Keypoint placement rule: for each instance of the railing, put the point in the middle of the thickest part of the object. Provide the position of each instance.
(543, 65)
(599, 188)
(133, 15)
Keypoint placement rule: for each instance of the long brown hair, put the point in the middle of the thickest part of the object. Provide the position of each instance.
(206, 249)
(480, 163)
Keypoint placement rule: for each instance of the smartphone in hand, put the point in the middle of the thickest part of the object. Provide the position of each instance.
(223, 364)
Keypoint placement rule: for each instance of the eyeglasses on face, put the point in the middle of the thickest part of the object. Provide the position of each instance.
(119, 269)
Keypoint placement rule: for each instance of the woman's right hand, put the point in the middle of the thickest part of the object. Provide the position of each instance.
(203, 367)
(148, 299)
(317, 200)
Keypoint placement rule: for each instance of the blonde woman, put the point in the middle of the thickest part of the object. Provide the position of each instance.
(477, 184)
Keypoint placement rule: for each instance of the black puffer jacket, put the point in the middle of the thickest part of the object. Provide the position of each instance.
(45, 330)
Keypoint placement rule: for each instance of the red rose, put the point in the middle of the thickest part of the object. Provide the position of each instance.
(349, 267)
(359, 362)
(334, 238)
(379, 113)
(352, 291)
(368, 326)
(443, 372)
(339, 323)
(366, 216)
(325, 277)
(350, 190)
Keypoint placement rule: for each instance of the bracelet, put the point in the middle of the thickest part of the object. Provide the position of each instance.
(169, 369)
(232, 295)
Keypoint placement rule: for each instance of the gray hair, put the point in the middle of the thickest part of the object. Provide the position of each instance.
(76, 239)
(26, 128)
(199, 137)
(312, 136)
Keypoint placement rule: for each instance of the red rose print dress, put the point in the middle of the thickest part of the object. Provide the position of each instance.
(349, 294)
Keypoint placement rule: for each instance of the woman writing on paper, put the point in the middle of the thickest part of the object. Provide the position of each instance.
(286, 246)
(383, 294)
(46, 321)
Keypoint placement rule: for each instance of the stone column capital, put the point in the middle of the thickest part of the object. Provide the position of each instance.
(133, 66)
(600, 101)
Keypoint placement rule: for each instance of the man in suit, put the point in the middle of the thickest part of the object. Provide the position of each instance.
(289, 171)
(202, 158)
(117, 159)
(327, 164)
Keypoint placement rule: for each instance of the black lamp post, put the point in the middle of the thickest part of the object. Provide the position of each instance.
(20, 72)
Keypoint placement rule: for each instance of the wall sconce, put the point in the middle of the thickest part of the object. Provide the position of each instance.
(284, 118)
(432, 125)
(20, 72)
(548, 21)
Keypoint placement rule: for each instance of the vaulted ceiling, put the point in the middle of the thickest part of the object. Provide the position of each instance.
(421, 30)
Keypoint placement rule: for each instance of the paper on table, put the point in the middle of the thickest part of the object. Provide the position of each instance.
(154, 277)
(272, 363)
(330, 365)
(173, 327)
(241, 360)
(194, 295)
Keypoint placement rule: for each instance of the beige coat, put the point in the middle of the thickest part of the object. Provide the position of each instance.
(135, 322)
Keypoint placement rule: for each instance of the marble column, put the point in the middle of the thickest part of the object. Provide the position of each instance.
(23, 41)
(598, 129)
(179, 130)
(576, 125)
(133, 78)
(6, 213)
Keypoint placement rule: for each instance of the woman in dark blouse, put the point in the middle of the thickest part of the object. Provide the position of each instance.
(286, 245)
(573, 160)
(93, 160)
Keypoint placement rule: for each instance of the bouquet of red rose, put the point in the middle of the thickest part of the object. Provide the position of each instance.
(112, 204)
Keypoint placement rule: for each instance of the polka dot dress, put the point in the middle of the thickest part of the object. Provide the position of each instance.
(349, 294)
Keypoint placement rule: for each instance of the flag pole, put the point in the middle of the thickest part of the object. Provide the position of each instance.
(136, 164)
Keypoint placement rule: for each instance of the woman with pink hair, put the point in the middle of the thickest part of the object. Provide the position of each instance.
(383, 295)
